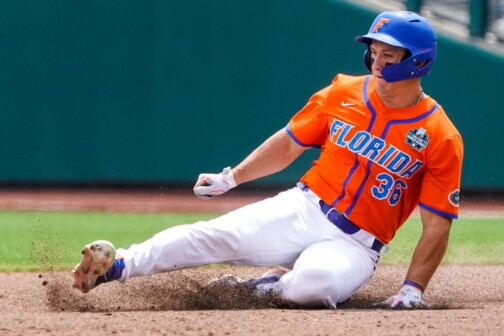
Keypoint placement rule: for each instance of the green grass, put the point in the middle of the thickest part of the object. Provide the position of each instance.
(42, 240)
(32, 241)
(475, 240)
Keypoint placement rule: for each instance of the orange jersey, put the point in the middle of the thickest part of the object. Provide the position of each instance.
(377, 163)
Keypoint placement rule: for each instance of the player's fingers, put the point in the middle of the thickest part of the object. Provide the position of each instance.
(419, 304)
(203, 192)
(409, 304)
(388, 303)
(204, 197)
(202, 187)
(400, 305)
(202, 181)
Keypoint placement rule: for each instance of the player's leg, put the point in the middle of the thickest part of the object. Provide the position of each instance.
(269, 232)
(327, 273)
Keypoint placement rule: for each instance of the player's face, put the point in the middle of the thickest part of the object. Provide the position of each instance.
(382, 55)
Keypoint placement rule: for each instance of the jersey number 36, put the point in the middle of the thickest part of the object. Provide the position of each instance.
(388, 188)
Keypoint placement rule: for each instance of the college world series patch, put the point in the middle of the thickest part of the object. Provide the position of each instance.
(417, 139)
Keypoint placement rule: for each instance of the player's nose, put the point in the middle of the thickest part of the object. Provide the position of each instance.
(376, 68)
(379, 62)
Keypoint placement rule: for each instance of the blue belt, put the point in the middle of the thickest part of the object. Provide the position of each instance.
(344, 224)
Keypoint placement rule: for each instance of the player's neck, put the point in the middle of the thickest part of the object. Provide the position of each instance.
(401, 94)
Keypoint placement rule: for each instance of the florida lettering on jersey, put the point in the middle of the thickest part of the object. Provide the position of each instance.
(374, 148)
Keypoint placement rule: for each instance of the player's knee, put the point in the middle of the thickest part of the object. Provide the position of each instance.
(312, 287)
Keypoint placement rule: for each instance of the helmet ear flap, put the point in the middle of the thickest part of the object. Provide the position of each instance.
(368, 60)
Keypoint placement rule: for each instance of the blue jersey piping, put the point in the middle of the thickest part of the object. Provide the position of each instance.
(289, 131)
(370, 126)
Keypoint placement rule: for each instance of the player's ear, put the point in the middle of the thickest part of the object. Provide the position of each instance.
(420, 65)
(406, 55)
(368, 59)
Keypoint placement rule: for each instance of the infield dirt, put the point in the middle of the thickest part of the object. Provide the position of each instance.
(465, 299)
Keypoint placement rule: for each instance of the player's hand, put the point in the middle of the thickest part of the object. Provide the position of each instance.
(408, 297)
(210, 185)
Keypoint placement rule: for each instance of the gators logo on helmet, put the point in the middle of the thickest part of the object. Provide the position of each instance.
(380, 24)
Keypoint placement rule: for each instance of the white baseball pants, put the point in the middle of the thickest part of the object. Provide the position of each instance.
(328, 266)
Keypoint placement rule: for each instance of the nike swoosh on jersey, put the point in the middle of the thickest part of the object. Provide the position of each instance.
(345, 104)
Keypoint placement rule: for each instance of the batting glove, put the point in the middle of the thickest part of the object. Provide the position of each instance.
(210, 185)
(409, 296)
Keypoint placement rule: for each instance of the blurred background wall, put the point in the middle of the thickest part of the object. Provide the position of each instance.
(148, 92)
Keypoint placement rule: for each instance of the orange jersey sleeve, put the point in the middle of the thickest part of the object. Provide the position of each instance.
(377, 164)
(440, 191)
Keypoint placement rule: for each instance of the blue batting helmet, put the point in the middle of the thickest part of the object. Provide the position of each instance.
(407, 30)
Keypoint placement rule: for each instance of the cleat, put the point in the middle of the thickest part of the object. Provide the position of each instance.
(268, 279)
(98, 258)
(267, 283)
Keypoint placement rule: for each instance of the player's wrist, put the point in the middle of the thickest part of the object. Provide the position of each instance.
(228, 176)
(414, 285)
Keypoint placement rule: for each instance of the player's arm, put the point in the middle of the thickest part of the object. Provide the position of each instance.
(273, 155)
(431, 247)
(428, 254)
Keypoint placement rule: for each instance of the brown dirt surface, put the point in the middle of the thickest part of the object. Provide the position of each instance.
(465, 299)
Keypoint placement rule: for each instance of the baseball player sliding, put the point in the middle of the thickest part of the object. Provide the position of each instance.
(385, 147)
